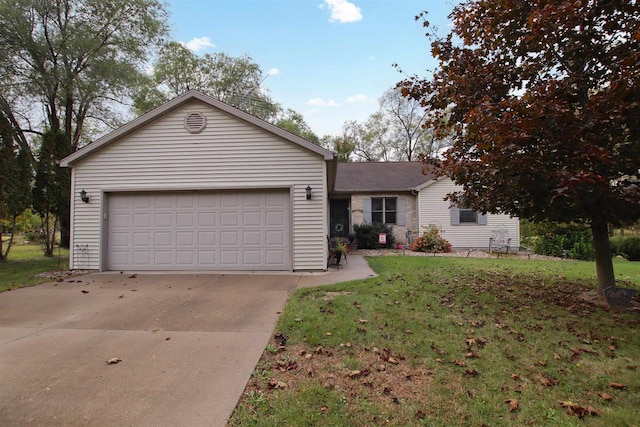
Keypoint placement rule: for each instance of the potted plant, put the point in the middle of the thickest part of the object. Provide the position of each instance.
(338, 249)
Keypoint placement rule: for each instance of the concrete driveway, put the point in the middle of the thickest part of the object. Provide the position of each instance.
(188, 344)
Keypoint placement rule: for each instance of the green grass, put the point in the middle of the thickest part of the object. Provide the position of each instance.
(447, 342)
(25, 262)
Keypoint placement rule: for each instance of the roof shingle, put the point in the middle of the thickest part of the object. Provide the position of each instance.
(381, 176)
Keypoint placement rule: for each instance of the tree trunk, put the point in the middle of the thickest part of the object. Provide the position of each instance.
(602, 249)
(65, 230)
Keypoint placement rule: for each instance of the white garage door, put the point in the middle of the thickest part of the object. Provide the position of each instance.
(199, 231)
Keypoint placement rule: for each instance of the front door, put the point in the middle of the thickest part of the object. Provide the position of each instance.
(339, 217)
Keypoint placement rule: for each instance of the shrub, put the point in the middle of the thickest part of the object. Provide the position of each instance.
(431, 241)
(630, 248)
(367, 235)
(560, 240)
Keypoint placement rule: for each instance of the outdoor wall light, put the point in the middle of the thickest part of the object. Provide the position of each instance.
(308, 192)
(84, 197)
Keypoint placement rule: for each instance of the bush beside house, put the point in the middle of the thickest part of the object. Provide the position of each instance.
(367, 235)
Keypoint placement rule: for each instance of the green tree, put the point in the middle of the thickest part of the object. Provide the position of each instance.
(51, 188)
(293, 122)
(398, 131)
(233, 80)
(338, 145)
(70, 65)
(15, 183)
(545, 121)
(369, 139)
(408, 134)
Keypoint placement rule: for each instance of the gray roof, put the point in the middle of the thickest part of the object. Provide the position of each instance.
(381, 176)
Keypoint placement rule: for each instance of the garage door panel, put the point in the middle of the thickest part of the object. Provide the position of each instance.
(199, 230)
(162, 238)
(141, 239)
(251, 219)
(229, 219)
(185, 238)
(252, 238)
(206, 258)
(207, 219)
(252, 258)
(206, 238)
(184, 219)
(275, 219)
(141, 258)
(143, 203)
(275, 238)
(164, 220)
(274, 257)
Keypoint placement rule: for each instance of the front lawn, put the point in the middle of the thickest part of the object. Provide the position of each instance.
(25, 262)
(451, 342)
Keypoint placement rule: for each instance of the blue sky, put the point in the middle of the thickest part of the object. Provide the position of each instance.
(328, 59)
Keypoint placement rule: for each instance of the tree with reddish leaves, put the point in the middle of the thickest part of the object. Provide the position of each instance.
(546, 110)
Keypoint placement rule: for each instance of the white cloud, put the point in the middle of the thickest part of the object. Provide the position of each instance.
(319, 102)
(273, 72)
(199, 43)
(343, 11)
(357, 99)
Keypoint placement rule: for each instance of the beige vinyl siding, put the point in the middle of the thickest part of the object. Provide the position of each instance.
(434, 210)
(228, 154)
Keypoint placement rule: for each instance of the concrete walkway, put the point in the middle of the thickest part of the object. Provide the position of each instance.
(188, 344)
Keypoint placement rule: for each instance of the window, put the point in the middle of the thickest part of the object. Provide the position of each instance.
(464, 215)
(468, 216)
(384, 210)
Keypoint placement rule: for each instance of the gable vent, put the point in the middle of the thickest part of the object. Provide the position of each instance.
(195, 122)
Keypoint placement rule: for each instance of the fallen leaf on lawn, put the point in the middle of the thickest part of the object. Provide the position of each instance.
(605, 396)
(472, 355)
(420, 415)
(274, 385)
(328, 334)
(578, 410)
(459, 363)
(515, 377)
(359, 373)
(617, 386)
(286, 365)
(363, 321)
(548, 382)
(113, 361)
(514, 404)
(542, 363)
(470, 373)
(470, 342)
(556, 356)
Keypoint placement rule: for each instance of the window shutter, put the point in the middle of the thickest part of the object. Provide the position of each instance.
(482, 219)
(366, 210)
(401, 211)
(455, 215)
